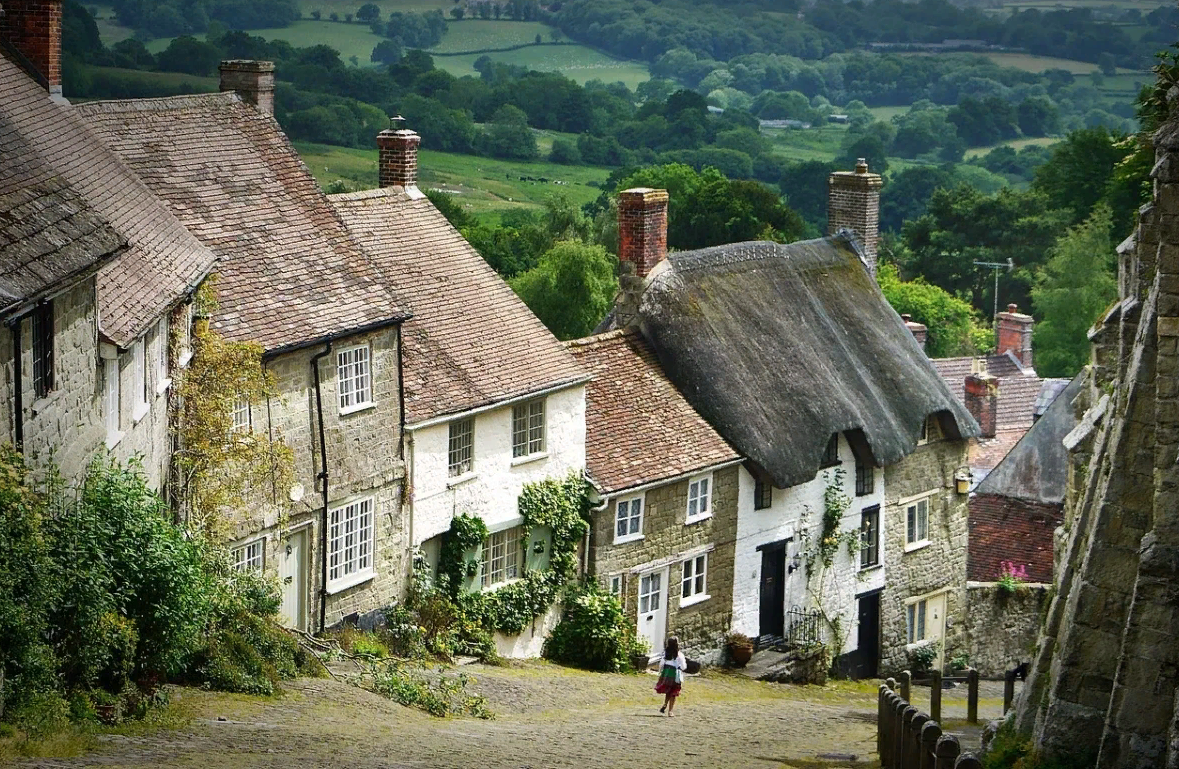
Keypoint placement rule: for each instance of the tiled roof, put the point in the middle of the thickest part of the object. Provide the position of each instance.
(289, 273)
(1018, 388)
(471, 342)
(163, 261)
(639, 428)
(49, 235)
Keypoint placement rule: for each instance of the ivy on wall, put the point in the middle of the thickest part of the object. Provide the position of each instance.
(820, 551)
(558, 505)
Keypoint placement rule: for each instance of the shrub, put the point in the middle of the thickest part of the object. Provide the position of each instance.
(442, 697)
(593, 632)
(921, 658)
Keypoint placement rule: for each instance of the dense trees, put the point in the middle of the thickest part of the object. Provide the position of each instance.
(167, 18)
(571, 288)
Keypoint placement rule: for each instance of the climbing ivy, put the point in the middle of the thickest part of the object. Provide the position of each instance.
(835, 506)
(466, 533)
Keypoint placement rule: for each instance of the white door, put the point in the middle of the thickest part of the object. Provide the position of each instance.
(935, 625)
(653, 609)
(292, 575)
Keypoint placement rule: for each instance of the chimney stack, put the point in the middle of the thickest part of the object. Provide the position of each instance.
(642, 244)
(398, 157)
(853, 201)
(34, 28)
(982, 401)
(919, 331)
(1013, 331)
(252, 80)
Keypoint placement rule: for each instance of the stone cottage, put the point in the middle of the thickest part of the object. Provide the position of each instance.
(292, 279)
(1013, 515)
(492, 400)
(848, 517)
(88, 362)
(664, 525)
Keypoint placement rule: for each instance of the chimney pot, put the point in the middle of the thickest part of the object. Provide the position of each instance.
(398, 163)
(906, 317)
(982, 401)
(642, 228)
(1013, 332)
(251, 80)
(34, 28)
(853, 202)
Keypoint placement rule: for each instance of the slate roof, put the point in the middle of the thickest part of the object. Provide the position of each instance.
(49, 234)
(472, 342)
(290, 275)
(162, 262)
(639, 428)
(779, 346)
(1036, 469)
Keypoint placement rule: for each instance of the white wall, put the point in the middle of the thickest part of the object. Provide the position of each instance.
(491, 489)
(783, 519)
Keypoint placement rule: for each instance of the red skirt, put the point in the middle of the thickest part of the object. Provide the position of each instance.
(667, 683)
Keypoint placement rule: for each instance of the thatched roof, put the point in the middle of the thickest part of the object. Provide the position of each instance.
(779, 346)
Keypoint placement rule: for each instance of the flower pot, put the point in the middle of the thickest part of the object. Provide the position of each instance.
(640, 661)
(741, 654)
(107, 714)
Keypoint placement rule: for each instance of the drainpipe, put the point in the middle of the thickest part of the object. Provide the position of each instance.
(323, 478)
(406, 456)
(18, 424)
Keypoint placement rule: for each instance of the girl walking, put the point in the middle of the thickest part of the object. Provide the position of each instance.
(671, 675)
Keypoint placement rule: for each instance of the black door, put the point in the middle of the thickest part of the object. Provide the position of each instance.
(773, 590)
(868, 638)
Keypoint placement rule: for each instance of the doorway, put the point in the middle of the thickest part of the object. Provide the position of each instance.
(772, 595)
(868, 636)
(292, 575)
(653, 609)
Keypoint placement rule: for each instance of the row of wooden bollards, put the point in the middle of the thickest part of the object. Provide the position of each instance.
(906, 738)
(903, 683)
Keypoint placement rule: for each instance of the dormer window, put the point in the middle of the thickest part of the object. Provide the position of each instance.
(831, 453)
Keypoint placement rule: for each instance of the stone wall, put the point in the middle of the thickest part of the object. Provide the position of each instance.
(1103, 683)
(1002, 628)
(930, 570)
(667, 537)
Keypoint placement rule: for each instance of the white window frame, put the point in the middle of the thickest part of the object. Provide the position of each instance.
(508, 566)
(455, 435)
(528, 429)
(249, 555)
(699, 498)
(352, 536)
(185, 337)
(354, 378)
(243, 415)
(615, 585)
(111, 401)
(694, 580)
(163, 373)
(916, 623)
(139, 383)
(916, 535)
(634, 523)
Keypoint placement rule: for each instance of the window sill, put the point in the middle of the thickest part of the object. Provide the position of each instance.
(686, 602)
(697, 519)
(873, 567)
(459, 480)
(628, 538)
(497, 585)
(527, 458)
(352, 580)
(163, 386)
(358, 407)
(41, 404)
(112, 439)
(919, 545)
(918, 644)
(140, 412)
(184, 358)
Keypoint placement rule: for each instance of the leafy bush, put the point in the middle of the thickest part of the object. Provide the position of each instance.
(921, 658)
(442, 697)
(594, 633)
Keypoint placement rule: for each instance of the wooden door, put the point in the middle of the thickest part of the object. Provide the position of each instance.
(653, 609)
(292, 576)
(772, 596)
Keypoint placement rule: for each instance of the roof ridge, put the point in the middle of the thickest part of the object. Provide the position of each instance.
(158, 103)
(369, 194)
(593, 339)
(750, 251)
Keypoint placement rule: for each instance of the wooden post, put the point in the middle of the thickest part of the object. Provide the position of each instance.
(967, 761)
(1008, 690)
(880, 722)
(913, 750)
(906, 681)
(947, 751)
(898, 735)
(972, 696)
(906, 735)
(930, 734)
(888, 720)
(935, 695)
(891, 683)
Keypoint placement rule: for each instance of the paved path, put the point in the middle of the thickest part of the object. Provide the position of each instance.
(546, 716)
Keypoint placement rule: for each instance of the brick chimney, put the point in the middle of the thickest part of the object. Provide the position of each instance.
(919, 330)
(252, 80)
(1013, 331)
(642, 244)
(982, 401)
(398, 157)
(853, 201)
(34, 28)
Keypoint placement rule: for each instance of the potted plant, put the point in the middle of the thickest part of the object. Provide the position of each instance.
(106, 706)
(740, 648)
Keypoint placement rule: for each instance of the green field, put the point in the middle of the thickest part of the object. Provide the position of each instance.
(576, 62)
(179, 81)
(109, 29)
(477, 34)
(1031, 63)
(1043, 141)
(349, 39)
(483, 185)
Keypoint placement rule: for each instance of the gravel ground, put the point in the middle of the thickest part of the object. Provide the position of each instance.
(546, 716)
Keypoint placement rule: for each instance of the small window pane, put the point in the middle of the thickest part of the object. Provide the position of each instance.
(462, 436)
(354, 378)
(350, 540)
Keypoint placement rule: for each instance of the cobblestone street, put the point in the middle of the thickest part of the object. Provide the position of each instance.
(546, 716)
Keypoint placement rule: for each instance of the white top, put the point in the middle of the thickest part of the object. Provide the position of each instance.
(680, 663)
